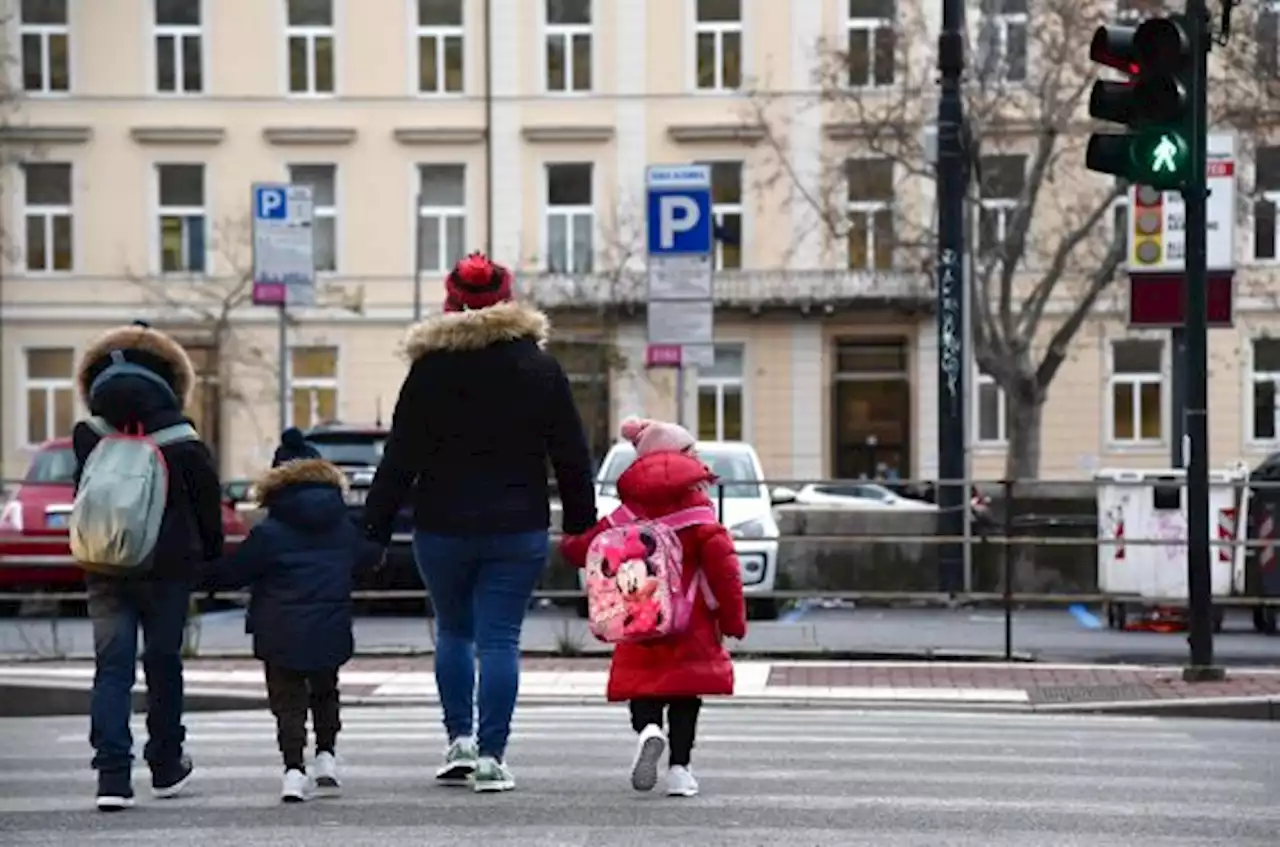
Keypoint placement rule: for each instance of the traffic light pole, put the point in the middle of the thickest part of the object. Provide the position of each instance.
(953, 179)
(1199, 581)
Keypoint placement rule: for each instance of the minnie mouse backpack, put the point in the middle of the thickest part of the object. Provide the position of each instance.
(635, 577)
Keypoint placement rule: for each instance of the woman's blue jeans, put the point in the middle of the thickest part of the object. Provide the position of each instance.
(480, 587)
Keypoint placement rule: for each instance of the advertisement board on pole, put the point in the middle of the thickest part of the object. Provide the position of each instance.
(283, 245)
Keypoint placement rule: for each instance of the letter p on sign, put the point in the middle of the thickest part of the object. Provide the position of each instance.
(676, 214)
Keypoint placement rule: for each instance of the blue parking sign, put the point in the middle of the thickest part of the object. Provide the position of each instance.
(270, 203)
(679, 219)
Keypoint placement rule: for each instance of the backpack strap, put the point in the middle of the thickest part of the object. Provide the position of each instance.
(173, 434)
(685, 518)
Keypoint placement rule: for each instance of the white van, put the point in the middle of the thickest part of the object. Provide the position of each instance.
(747, 510)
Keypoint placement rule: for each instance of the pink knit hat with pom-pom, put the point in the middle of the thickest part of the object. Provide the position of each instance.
(650, 436)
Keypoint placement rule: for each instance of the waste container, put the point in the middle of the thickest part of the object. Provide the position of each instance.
(1142, 538)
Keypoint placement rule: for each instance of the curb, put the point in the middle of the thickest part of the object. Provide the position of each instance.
(19, 699)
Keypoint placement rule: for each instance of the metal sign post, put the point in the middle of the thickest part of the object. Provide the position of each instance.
(284, 265)
(681, 311)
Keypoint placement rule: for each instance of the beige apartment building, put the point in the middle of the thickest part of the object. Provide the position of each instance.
(522, 127)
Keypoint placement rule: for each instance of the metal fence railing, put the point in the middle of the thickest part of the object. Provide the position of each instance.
(1036, 543)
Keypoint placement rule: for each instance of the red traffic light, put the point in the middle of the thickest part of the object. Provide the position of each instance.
(1113, 46)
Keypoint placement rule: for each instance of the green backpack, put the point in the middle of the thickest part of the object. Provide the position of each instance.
(119, 505)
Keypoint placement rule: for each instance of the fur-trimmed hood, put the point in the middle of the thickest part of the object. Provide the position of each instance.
(142, 339)
(475, 330)
(298, 472)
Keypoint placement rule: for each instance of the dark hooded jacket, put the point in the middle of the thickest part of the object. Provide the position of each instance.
(480, 413)
(300, 564)
(154, 396)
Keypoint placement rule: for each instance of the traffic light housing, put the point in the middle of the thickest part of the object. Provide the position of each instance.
(1153, 102)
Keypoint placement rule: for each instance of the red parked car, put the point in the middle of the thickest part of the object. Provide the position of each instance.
(35, 554)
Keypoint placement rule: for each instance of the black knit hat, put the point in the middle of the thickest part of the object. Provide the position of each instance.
(293, 446)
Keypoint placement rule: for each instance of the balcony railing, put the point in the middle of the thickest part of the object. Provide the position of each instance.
(744, 289)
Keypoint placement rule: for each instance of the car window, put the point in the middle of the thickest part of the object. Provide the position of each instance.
(350, 449)
(731, 466)
(52, 466)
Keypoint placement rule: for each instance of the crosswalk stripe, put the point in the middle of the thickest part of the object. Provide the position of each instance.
(866, 777)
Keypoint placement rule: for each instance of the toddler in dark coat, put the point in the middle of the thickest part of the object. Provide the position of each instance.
(300, 563)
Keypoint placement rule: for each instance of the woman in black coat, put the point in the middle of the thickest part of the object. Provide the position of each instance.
(482, 410)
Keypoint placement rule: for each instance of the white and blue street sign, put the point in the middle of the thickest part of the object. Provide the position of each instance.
(679, 218)
(283, 248)
(681, 245)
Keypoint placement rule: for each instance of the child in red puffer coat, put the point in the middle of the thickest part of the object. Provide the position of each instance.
(673, 674)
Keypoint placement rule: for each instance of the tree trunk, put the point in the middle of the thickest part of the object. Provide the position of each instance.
(1022, 465)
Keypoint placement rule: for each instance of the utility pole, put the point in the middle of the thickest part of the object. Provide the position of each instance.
(953, 182)
(1195, 194)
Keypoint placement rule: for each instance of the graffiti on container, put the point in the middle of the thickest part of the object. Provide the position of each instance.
(1113, 524)
(1171, 528)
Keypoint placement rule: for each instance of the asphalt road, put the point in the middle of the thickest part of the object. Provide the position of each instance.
(769, 776)
(1049, 635)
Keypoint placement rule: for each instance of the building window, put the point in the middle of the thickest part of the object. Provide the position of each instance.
(1120, 214)
(179, 50)
(568, 45)
(870, 208)
(1265, 375)
(182, 219)
(571, 218)
(720, 389)
(311, 40)
(588, 365)
(871, 42)
(726, 208)
(718, 41)
(989, 410)
(1003, 178)
(313, 386)
(51, 392)
(45, 37)
(440, 37)
(1266, 198)
(442, 216)
(1137, 392)
(1002, 44)
(323, 180)
(47, 208)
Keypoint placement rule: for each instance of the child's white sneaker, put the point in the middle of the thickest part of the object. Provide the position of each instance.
(649, 749)
(296, 787)
(326, 773)
(680, 782)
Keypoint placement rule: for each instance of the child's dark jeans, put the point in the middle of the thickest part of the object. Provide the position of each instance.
(682, 723)
(291, 695)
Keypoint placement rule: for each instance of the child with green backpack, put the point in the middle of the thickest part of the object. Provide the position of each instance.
(147, 514)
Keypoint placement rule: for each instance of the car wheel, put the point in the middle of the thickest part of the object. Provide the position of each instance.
(580, 607)
(762, 610)
(1264, 619)
(1219, 615)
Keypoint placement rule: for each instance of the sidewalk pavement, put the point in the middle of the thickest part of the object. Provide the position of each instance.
(1245, 693)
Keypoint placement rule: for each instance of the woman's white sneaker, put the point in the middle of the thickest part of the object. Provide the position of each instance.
(680, 782)
(295, 788)
(649, 749)
(459, 762)
(491, 775)
(326, 774)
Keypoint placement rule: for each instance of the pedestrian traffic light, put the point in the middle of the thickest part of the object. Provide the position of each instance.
(1153, 102)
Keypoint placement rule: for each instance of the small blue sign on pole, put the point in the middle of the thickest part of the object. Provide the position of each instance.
(284, 270)
(679, 214)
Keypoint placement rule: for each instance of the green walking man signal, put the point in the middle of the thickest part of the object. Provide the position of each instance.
(1153, 103)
